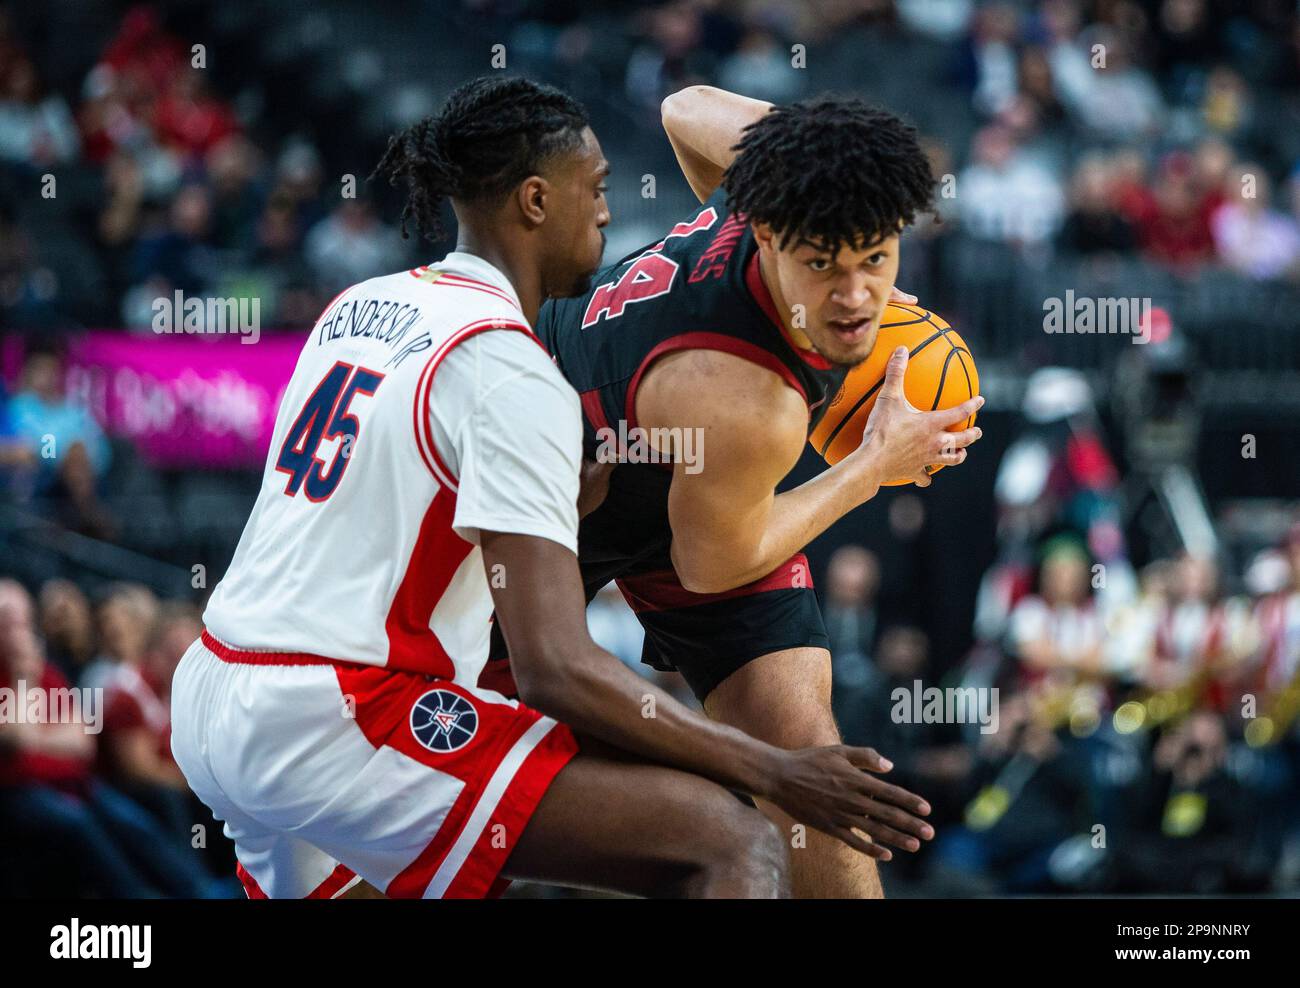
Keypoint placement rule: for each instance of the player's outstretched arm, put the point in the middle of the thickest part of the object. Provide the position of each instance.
(703, 125)
(730, 527)
(563, 673)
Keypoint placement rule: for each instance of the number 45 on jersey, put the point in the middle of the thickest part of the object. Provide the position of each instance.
(324, 417)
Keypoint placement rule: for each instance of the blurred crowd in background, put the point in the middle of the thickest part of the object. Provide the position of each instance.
(1152, 147)
(102, 811)
(183, 198)
(1158, 129)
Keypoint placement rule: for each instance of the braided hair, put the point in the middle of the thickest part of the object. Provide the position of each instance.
(830, 171)
(491, 134)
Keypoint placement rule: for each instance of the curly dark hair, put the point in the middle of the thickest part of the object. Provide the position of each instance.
(491, 134)
(830, 171)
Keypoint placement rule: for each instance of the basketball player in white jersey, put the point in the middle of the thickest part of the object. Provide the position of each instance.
(424, 469)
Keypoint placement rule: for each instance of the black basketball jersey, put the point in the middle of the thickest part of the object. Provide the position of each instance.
(698, 288)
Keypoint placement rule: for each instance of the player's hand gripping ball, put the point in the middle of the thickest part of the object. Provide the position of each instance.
(940, 374)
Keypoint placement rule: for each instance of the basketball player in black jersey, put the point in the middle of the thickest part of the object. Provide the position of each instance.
(736, 329)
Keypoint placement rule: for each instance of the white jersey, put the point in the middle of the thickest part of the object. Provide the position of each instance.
(406, 428)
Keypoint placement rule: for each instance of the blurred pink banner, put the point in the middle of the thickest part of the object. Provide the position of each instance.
(185, 401)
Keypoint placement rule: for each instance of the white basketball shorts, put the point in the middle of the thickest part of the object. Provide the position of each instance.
(326, 772)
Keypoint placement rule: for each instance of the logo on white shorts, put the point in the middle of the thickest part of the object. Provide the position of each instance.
(443, 721)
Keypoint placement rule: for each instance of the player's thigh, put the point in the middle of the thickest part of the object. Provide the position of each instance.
(783, 698)
(628, 826)
(709, 638)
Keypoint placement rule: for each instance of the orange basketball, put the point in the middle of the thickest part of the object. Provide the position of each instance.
(940, 374)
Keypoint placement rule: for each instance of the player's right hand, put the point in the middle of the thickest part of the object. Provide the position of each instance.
(831, 789)
(901, 441)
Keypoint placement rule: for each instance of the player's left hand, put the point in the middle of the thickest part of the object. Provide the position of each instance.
(898, 295)
(832, 789)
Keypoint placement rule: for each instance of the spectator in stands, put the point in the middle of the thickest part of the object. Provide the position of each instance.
(992, 55)
(1095, 224)
(849, 610)
(17, 458)
(1130, 186)
(351, 245)
(928, 758)
(1175, 230)
(1273, 671)
(1199, 635)
(71, 450)
(115, 121)
(1005, 195)
(670, 56)
(107, 117)
(1197, 823)
(1277, 665)
(28, 289)
(181, 253)
(144, 50)
(1031, 791)
(760, 68)
(1226, 104)
(1038, 90)
(135, 749)
(1184, 633)
(1186, 39)
(1067, 54)
(122, 91)
(16, 614)
(1117, 100)
(119, 221)
(1131, 625)
(36, 129)
(1251, 237)
(59, 820)
(67, 626)
(1057, 633)
(943, 20)
(299, 182)
(278, 264)
(1212, 162)
(124, 618)
(44, 769)
(233, 168)
(189, 119)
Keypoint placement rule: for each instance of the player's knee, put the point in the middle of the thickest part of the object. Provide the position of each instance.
(769, 860)
(750, 858)
(765, 864)
(807, 725)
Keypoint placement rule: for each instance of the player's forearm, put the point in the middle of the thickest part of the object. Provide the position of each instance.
(707, 565)
(601, 697)
(703, 124)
